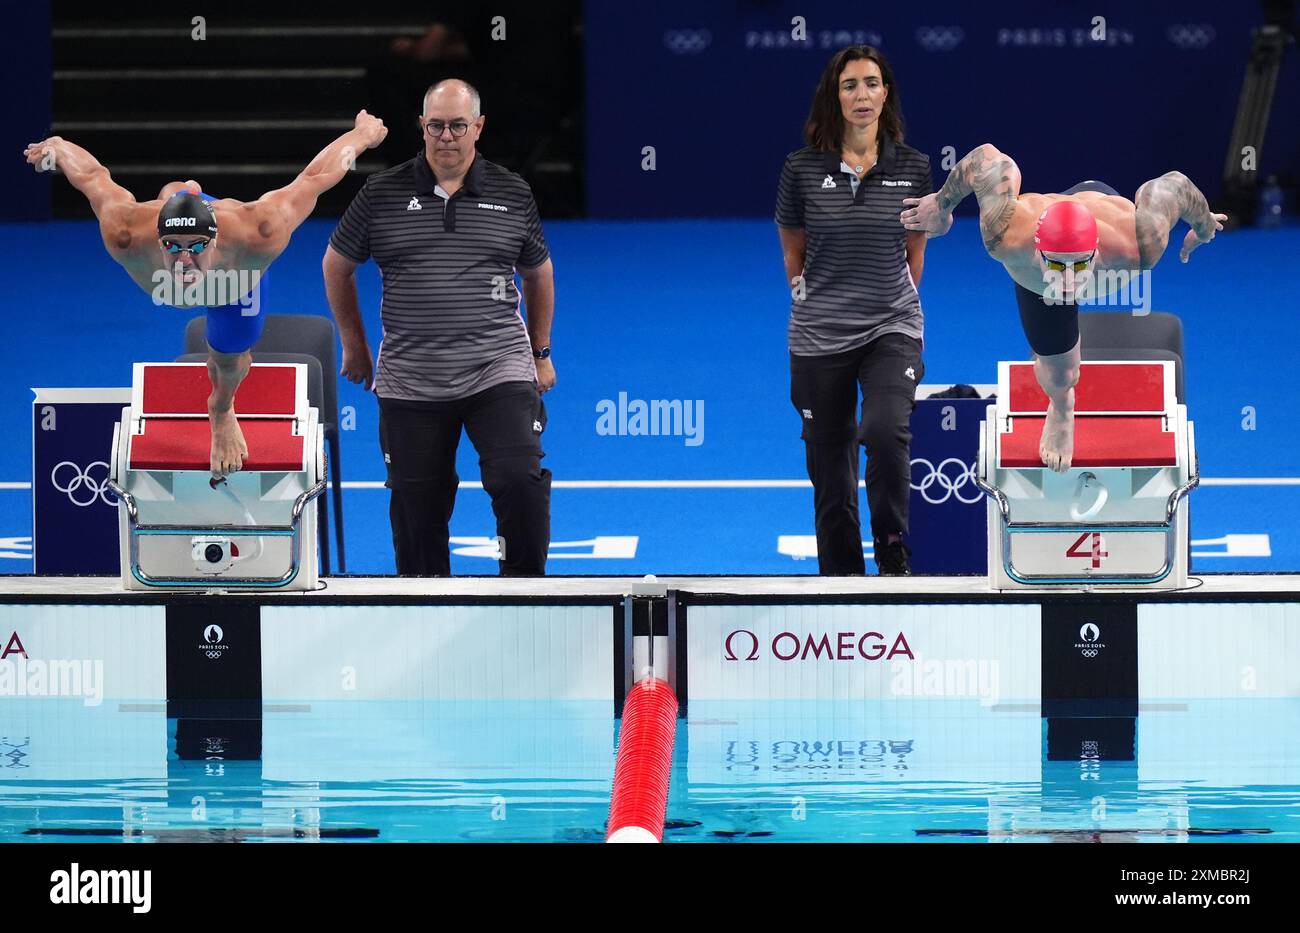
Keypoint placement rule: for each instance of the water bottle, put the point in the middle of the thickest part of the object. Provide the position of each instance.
(1270, 204)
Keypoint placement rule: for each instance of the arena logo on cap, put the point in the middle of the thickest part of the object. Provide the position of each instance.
(745, 645)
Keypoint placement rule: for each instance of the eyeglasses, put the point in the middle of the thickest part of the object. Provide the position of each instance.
(195, 249)
(435, 127)
(1057, 265)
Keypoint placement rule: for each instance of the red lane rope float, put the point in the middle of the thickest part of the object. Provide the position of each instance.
(644, 762)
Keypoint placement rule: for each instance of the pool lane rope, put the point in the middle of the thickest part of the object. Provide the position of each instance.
(643, 764)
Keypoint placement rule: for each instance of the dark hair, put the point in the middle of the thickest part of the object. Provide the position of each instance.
(824, 128)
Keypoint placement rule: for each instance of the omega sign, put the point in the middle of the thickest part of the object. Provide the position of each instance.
(744, 645)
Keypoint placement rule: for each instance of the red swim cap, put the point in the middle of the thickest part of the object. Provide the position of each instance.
(1066, 227)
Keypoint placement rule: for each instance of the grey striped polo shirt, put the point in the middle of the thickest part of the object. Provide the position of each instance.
(450, 306)
(857, 284)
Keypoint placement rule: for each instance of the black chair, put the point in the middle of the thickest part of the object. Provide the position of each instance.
(313, 336)
(1122, 335)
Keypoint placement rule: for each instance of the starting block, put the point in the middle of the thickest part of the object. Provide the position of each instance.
(253, 530)
(1119, 514)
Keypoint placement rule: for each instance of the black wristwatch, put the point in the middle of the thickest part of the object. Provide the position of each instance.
(543, 354)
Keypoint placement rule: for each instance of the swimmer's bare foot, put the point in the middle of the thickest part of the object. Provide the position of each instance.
(228, 446)
(1056, 446)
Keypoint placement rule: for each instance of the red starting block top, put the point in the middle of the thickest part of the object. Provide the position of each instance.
(1099, 441)
(1102, 388)
(183, 389)
(186, 444)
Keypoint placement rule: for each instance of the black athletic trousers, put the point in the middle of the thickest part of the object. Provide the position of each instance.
(419, 441)
(824, 390)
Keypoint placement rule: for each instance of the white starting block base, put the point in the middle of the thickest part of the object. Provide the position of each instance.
(215, 517)
(1119, 516)
(257, 529)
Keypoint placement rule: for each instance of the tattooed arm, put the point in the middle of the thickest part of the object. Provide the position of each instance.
(1161, 203)
(992, 176)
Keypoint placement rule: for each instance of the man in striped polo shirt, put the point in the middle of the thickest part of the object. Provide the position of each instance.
(449, 230)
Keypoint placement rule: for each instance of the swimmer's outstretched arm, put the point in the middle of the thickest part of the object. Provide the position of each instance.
(120, 216)
(82, 170)
(994, 178)
(1161, 203)
(268, 222)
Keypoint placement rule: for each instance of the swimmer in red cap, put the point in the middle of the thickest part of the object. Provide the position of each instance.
(1063, 249)
(170, 247)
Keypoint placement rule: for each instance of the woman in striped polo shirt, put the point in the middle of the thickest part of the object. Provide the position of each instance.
(855, 318)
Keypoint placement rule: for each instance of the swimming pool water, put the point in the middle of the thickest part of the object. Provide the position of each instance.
(907, 771)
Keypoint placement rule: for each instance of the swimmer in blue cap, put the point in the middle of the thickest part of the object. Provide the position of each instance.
(170, 247)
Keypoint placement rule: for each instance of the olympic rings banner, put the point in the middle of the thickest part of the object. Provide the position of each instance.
(948, 521)
(74, 516)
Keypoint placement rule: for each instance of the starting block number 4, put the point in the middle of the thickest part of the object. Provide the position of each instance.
(1084, 553)
(1088, 546)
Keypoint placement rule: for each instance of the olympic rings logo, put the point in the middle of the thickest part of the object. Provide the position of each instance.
(1191, 35)
(950, 484)
(687, 41)
(81, 488)
(940, 38)
(1089, 652)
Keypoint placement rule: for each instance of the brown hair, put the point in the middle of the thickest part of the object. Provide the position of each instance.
(824, 128)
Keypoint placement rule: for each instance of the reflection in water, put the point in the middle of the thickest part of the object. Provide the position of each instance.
(954, 770)
(440, 771)
(913, 770)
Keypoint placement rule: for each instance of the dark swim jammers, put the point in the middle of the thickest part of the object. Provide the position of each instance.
(235, 327)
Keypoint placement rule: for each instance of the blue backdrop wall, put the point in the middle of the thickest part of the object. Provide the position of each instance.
(25, 69)
(720, 90)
